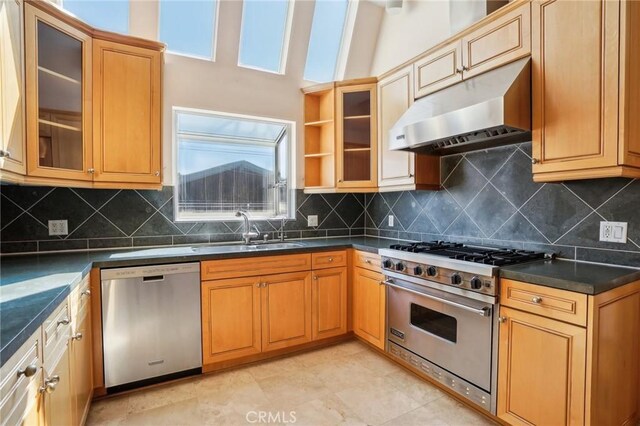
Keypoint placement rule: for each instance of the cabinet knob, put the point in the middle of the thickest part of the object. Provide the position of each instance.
(367, 261)
(331, 259)
(91, 170)
(534, 161)
(340, 180)
(458, 70)
(265, 284)
(28, 371)
(4, 153)
(537, 300)
(259, 285)
(157, 173)
(410, 175)
(315, 277)
(87, 292)
(64, 321)
(77, 336)
(465, 68)
(502, 319)
(50, 384)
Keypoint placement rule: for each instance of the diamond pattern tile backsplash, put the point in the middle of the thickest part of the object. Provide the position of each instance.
(99, 219)
(488, 198)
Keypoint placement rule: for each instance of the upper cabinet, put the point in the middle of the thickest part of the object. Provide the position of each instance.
(400, 170)
(93, 104)
(12, 149)
(340, 137)
(585, 89)
(501, 40)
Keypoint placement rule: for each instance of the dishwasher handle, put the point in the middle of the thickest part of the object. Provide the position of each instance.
(153, 278)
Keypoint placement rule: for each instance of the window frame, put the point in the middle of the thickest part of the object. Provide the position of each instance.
(290, 126)
(214, 36)
(284, 52)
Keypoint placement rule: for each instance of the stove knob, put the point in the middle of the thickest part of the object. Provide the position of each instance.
(417, 270)
(387, 264)
(400, 266)
(432, 271)
(476, 283)
(456, 279)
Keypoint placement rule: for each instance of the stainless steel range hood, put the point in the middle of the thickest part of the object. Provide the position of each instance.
(486, 111)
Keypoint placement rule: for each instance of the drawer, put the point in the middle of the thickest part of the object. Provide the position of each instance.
(363, 259)
(251, 266)
(545, 301)
(56, 331)
(329, 259)
(80, 298)
(18, 392)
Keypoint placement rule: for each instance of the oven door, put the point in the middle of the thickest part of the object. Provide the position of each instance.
(451, 331)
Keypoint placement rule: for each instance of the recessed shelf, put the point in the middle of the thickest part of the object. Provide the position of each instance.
(318, 154)
(357, 117)
(319, 123)
(58, 75)
(356, 149)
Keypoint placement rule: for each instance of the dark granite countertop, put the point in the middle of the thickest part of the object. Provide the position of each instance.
(580, 277)
(33, 286)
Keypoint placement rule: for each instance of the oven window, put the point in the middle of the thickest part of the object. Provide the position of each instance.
(434, 322)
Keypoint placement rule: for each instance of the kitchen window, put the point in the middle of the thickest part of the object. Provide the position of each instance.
(227, 162)
(326, 40)
(188, 27)
(265, 30)
(110, 15)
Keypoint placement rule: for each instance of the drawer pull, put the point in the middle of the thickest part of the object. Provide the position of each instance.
(537, 300)
(77, 336)
(367, 261)
(502, 320)
(50, 384)
(28, 371)
(315, 277)
(331, 259)
(64, 321)
(87, 292)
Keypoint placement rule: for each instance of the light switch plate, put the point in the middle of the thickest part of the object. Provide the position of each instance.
(58, 227)
(391, 220)
(613, 232)
(312, 220)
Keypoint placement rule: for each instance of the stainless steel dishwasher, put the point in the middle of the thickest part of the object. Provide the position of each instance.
(150, 324)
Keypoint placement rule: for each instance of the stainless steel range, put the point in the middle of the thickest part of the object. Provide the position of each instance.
(442, 303)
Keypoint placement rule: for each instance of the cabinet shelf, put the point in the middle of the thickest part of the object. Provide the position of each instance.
(318, 154)
(62, 126)
(58, 75)
(357, 117)
(357, 149)
(319, 123)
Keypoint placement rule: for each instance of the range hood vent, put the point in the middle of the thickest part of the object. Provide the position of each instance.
(492, 109)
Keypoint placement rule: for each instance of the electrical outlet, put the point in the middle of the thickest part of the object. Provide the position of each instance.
(613, 232)
(58, 227)
(391, 220)
(312, 220)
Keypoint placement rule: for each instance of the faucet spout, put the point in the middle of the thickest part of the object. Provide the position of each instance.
(247, 235)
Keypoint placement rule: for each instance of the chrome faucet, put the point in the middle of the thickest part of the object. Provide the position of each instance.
(248, 234)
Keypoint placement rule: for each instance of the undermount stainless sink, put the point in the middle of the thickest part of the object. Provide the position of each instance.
(247, 248)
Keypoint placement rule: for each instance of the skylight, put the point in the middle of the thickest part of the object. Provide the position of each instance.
(110, 15)
(265, 25)
(188, 26)
(326, 39)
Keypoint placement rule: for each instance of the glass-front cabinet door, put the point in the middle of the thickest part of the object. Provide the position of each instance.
(58, 98)
(356, 136)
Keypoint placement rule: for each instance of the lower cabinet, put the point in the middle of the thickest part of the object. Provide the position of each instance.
(81, 367)
(541, 370)
(369, 302)
(329, 302)
(57, 391)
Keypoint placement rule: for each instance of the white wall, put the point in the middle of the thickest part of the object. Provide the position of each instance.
(420, 25)
(223, 86)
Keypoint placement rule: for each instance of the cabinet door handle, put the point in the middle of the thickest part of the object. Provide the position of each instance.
(537, 300)
(28, 371)
(259, 285)
(315, 277)
(331, 259)
(50, 384)
(502, 319)
(87, 292)
(157, 173)
(534, 161)
(64, 321)
(367, 261)
(4, 153)
(91, 170)
(77, 336)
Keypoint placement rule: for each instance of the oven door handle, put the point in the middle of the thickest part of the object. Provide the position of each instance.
(484, 312)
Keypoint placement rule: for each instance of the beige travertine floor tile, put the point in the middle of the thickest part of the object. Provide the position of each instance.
(321, 356)
(276, 367)
(456, 413)
(185, 413)
(329, 410)
(294, 388)
(160, 396)
(344, 373)
(377, 402)
(108, 411)
(418, 389)
(376, 363)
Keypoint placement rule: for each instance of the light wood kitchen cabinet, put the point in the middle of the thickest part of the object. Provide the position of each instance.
(286, 310)
(58, 96)
(127, 109)
(329, 302)
(555, 368)
(369, 306)
(541, 370)
(58, 402)
(504, 38)
(399, 170)
(585, 126)
(12, 132)
(81, 352)
(341, 137)
(231, 322)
